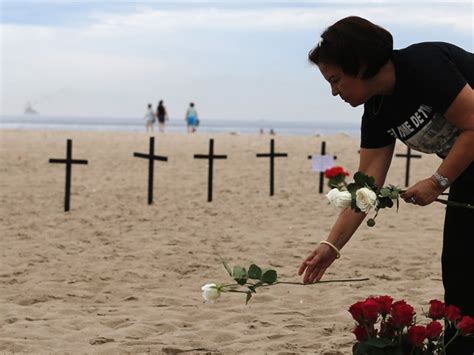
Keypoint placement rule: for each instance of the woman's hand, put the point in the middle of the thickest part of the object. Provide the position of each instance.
(316, 263)
(423, 192)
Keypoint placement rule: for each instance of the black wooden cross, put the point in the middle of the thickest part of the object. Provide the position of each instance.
(408, 155)
(151, 164)
(321, 173)
(68, 161)
(272, 156)
(211, 158)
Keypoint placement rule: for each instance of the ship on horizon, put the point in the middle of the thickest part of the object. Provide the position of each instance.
(29, 110)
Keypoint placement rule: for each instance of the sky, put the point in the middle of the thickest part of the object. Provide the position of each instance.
(242, 59)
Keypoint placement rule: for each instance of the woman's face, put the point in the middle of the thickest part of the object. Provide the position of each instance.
(353, 90)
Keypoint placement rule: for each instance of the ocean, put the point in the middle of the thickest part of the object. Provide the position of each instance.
(39, 122)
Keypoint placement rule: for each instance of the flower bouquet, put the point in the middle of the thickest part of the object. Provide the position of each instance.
(363, 194)
(384, 327)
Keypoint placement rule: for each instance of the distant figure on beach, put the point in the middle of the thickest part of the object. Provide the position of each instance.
(150, 118)
(162, 116)
(261, 131)
(272, 132)
(191, 118)
(423, 96)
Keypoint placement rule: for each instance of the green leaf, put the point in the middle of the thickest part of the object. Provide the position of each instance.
(239, 272)
(385, 202)
(269, 276)
(227, 267)
(371, 222)
(242, 281)
(385, 192)
(255, 272)
(360, 178)
(240, 275)
(352, 188)
(371, 182)
(394, 195)
(249, 296)
(355, 349)
(379, 343)
(381, 203)
(354, 204)
(364, 349)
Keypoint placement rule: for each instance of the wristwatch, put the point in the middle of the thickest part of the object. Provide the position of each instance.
(442, 180)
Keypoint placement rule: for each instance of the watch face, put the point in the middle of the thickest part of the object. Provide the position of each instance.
(443, 181)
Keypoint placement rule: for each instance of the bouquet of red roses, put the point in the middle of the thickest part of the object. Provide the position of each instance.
(390, 328)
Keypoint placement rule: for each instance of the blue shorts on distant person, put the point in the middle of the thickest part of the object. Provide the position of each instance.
(192, 121)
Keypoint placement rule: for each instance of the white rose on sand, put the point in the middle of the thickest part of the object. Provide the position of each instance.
(365, 199)
(340, 199)
(210, 292)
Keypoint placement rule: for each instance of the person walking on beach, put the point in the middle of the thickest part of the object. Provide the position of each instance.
(162, 116)
(192, 120)
(150, 118)
(423, 96)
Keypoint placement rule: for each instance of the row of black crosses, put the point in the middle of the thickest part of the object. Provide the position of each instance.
(211, 156)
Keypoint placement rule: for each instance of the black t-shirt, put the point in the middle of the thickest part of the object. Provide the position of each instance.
(429, 76)
(161, 112)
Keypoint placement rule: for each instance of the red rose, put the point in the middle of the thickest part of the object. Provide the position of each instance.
(437, 309)
(384, 303)
(360, 333)
(466, 325)
(433, 330)
(356, 311)
(416, 335)
(370, 310)
(335, 171)
(452, 313)
(402, 314)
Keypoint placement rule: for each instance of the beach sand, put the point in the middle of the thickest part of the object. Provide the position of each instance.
(117, 275)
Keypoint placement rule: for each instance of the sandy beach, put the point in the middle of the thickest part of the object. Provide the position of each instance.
(115, 275)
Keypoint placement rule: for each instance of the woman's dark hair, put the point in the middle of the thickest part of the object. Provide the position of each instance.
(356, 45)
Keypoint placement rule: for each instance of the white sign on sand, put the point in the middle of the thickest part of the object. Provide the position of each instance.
(320, 163)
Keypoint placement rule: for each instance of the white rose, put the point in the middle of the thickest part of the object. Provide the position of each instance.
(340, 199)
(210, 292)
(365, 199)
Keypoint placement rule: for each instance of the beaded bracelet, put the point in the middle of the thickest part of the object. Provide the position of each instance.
(338, 254)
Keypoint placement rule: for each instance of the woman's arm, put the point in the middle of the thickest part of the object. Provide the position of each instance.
(373, 162)
(461, 114)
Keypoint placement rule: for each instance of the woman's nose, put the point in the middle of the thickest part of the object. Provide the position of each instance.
(334, 91)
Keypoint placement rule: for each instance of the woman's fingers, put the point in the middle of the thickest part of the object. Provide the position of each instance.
(312, 267)
(305, 263)
(302, 268)
(313, 274)
(316, 275)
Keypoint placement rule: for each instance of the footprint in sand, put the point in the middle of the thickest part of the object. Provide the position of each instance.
(101, 340)
(40, 299)
(117, 323)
